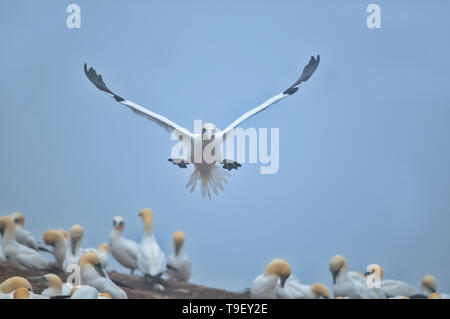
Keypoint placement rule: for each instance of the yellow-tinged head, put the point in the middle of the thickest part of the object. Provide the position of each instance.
(18, 218)
(147, 218)
(14, 283)
(178, 240)
(103, 247)
(52, 237)
(105, 295)
(74, 288)
(320, 290)
(22, 293)
(336, 264)
(280, 268)
(429, 283)
(53, 281)
(7, 227)
(91, 260)
(76, 231)
(435, 295)
(375, 269)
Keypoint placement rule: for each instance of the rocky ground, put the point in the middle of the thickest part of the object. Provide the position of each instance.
(136, 287)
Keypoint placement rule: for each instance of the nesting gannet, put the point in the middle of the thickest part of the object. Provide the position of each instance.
(210, 176)
(73, 252)
(55, 286)
(57, 239)
(23, 236)
(151, 260)
(83, 292)
(93, 274)
(269, 284)
(124, 250)
(180, 264)
(429, 286)
(23, 293)
(293, 289)
(392, 288)
(346, 285)
(10, 285)
(19, 255)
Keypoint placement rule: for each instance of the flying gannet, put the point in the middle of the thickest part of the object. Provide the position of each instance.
(124, 250)
(151, 260)
(19, 255)
(210, 176)
(93, 274)
(178, 259)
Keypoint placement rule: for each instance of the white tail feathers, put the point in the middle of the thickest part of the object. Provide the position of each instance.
(211, 177)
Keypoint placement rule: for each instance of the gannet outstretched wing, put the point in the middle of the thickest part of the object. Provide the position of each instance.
(165, 123)
(306, 74)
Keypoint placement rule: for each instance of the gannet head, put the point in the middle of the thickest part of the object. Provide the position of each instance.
(76, 234)
(105, 295)
(429, 283)
(374, 269)
(337, 263)
(14, 283)
(320, 290)
(103, 247)
(119, 223)
(51, 280)
(208, 130)
(435, 295)
(91, 260)
(18, 218)
(52, 237)
(7, 227)
(147, 218)
(22, 293)
(178, 240)
(280, 268)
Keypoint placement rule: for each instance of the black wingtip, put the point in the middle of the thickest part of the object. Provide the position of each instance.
(97, 80)
(308, 71)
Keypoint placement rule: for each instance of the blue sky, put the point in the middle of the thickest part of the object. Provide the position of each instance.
(364, 145)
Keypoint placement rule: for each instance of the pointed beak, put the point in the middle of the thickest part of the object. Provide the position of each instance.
(73, 244)
(2, 231)
(37, 279)
(100, 270)
(282, 281)
(334, 274)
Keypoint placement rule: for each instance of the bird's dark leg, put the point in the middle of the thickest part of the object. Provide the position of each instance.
(179, 162)
(230, 164)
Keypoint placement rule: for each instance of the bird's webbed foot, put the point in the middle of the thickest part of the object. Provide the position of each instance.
(230, 164)
(181, 163)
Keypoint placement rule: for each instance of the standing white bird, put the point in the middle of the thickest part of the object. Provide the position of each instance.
(393, 288)
(10, 285)
(210, 176)
(55, 286)
(178, 261)
(346, 285)
(19, 255)
(57, 239)
(269, 284)
(93, 274)
(73, 252)
(151, 260)
(124, 250)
